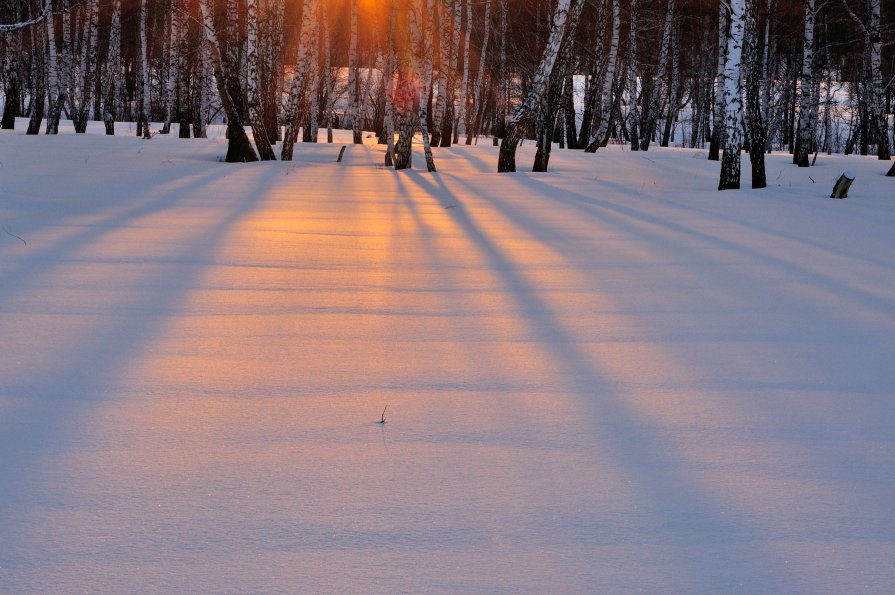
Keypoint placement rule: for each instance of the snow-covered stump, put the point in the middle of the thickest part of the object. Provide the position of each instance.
(891, 172)
(840, 189)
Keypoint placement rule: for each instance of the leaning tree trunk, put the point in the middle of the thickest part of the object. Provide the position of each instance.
(239, 148)
(515, 130)
(599, 135)
(733, 102)
(546, 122)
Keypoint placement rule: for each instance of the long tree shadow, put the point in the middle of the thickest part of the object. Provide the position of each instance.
(849, 462)
(602, 210)
(625, 435)
(59, 386)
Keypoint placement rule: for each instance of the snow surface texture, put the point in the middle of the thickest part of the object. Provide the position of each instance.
(606, 378)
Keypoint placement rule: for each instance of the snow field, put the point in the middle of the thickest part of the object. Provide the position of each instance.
(606, 378)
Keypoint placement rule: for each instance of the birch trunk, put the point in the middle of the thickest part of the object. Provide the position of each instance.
(599, 136)
(143, 122)
(658, 90)
(239, 149)
(305, 60)
(733, 102)
(807, 104)
(516, 127)
(479, 80)
(633, 80)
(55, 95)
(353, 82)
(113, 70)
(464, 84)
(718, 119)
(259, 131)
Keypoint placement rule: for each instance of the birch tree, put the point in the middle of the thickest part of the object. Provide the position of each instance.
(733, 101)
(599, 134)
(874, 86)
(807, 103)
(256, 120)
(516, 127)
(239, 148)
(353, 79)
(305, 61)
(143, 118)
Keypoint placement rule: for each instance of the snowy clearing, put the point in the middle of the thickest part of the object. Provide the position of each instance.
(606, 378)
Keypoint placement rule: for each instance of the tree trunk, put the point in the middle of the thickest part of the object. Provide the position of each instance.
(239, 148)
(516, 128)
(305, 60)
(807, 105)
(733, 102)
(599, 135)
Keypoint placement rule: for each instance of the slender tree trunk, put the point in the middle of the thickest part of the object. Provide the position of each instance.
(733, 102)
(55, 95)
(720, 85)
(516, 127)
(806, 86)
(143, 123)
(239, 148)
(353, 82)
(480, 78)
(305, 60)
(600, 134)
(259, 131)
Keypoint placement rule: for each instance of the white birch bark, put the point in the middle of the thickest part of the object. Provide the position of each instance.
(718, 120)
(633, 79)
(464, 81)
(445, 19)
(598, 136)
(733, 99)
(658, 91)
(144, 71)
(305, 60)
(807, 105)
(259, 132)
(41, 16)
(507, 158)
(113, 70)
(53, 88)
(353, 83)
(479, 79)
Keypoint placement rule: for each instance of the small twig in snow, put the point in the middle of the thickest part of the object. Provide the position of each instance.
(382, 419)
(812, 179)
(9, 233)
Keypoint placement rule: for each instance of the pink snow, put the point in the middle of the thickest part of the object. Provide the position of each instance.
(609, 377)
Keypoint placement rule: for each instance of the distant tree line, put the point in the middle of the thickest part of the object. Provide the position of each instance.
(805, 76)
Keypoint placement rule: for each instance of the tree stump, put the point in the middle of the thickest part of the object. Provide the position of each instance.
(840, 190)
(341, 154)
(891, 173)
